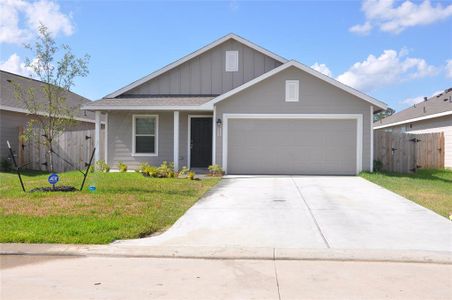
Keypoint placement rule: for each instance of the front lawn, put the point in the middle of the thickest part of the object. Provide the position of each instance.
(124, 206)
(429, 188)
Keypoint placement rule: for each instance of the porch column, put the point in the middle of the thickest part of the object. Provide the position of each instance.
(97, 136)
(176, 141)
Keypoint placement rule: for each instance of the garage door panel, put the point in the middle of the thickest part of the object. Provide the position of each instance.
(291, 146)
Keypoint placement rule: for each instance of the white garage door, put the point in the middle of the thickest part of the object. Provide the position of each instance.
(291, 146)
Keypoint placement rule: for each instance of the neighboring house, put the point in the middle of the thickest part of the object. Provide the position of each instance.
(434, 114)
(13, 113)
(245, 108)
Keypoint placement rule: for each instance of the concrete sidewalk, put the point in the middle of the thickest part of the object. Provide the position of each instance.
(47, 277)
(228, 253)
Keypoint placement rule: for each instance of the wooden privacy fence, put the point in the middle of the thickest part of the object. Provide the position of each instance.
(73, 146)
(407, 152)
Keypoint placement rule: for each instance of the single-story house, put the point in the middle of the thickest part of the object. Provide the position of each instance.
(251, 111)
(434, 114)
(14, 115)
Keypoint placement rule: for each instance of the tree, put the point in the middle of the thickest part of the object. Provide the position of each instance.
(383, 114)
(57, 67)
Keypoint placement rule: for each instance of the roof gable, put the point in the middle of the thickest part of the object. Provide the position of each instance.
(306, 69)
(192, 56)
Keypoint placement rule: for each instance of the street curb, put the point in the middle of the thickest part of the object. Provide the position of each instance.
(358, 255)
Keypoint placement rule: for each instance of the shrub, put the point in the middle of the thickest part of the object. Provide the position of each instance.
(149, 171)
(182, 172)
(378, 165)
(91, 169)
(166, 170)
(191, 175)
(142, 167)
(215, 170)
(122, 167)
(102, 166)
(6, 165)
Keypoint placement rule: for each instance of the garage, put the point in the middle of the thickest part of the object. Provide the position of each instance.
(292, 144)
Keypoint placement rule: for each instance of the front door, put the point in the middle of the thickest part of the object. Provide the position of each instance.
(200, 142)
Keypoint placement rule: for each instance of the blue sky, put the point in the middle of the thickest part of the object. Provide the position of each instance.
(410, 43)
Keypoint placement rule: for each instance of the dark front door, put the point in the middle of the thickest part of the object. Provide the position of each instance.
(200, 142)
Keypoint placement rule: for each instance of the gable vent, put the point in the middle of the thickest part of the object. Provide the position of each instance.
(232, 61)
(292, 90)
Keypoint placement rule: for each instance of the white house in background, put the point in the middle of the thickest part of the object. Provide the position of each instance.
(236, 104)
(434, 114)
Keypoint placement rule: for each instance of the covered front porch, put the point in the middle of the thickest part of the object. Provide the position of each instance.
(185, 137)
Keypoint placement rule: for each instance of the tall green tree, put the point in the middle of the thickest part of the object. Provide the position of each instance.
(57, 67)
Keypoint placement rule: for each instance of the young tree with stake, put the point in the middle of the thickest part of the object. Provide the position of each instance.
(57, 67)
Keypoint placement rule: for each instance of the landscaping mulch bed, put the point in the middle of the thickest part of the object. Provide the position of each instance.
(61, 188)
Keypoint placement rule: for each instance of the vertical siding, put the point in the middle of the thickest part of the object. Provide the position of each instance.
(316, 97)
(205, 74)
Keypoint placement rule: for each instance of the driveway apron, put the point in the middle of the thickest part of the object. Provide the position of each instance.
(309, 212)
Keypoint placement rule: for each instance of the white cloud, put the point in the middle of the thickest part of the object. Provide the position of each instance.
(419, 99)
(361, 29)
(449, 68)
(389, 68)
(322, 68)
(19, 20)
(388, 17)
(14, 64)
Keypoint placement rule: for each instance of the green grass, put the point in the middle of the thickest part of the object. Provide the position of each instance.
(429, 188)
(124, 206)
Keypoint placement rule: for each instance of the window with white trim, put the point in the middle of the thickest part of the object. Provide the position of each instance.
(292, 90)
(145, 129)
(232, 61)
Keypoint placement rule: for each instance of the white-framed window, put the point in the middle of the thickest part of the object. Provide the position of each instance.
(292, 90)
(145, 135)
(232, 61)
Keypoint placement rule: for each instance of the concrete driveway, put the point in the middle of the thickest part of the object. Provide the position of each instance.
(310, 212)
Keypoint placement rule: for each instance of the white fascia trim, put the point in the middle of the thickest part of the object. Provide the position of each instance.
(357, 117)
(189, 135)
(192, 55)
(147, 108)
(23, 110)
(156, 136)
(446, 113)
(302, 67)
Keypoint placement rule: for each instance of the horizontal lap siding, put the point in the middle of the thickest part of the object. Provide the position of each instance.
(120, 139)
(316, 97)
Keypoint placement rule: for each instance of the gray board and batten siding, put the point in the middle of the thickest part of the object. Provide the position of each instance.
(206, 75)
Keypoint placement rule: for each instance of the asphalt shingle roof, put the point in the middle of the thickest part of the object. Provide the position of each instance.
(433, 105)
(152, 101)
(8, 98)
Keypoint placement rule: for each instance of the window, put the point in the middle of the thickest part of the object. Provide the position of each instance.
(145, 134)
(292, 90)
(232, 61)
